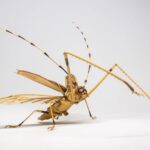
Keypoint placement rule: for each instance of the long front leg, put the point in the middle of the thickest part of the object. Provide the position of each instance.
(108, 72)
(15, 126)
(107, 75)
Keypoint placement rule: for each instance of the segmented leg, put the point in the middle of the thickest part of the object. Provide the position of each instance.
(34, 45)
(130, 87)
(108, 72)
(52, 127)
(135, 83)
(15, 126)
(90, 114)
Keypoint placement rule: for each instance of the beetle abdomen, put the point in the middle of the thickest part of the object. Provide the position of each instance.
(58, 109)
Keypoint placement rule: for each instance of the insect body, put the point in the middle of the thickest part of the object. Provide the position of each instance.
(63, 103)
(71, 93)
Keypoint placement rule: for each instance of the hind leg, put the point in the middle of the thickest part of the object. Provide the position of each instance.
(15, 126)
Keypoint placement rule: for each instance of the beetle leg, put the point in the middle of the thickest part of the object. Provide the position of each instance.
(109, 72)
(53, 126)
(15, 126)
(69, 76)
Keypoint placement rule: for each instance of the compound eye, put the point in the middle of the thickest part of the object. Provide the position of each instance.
(81, 90)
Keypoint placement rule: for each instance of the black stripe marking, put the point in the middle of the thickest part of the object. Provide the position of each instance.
(46, 54)
(87, 46)
(85, 39)
(67, 63)
(82, 33)
(32, 44)
(85, 81)
(21, 37)
(63, 69)
(89, 68)
(90, 55)
(8, 31)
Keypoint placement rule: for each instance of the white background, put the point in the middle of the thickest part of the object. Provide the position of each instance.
(117, 32)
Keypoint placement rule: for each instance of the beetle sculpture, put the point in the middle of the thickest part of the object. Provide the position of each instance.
(72, 93)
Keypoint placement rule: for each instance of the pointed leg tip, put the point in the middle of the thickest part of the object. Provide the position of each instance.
(93, 117)
(11, 126)
(50, 128)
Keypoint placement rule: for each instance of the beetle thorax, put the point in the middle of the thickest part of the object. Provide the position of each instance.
(79, 92)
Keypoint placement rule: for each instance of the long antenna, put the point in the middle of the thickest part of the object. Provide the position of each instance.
(89, 53)
(34, 45)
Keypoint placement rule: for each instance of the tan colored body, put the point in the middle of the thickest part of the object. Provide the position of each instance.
(61, 106)
(72, 93)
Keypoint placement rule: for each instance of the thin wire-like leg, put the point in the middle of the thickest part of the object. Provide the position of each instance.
(112, 74)
(15, 126)
(90, 114)
(53, 126)
(117, 66)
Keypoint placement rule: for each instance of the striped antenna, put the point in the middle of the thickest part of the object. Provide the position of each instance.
(34, 45)
(89, 53)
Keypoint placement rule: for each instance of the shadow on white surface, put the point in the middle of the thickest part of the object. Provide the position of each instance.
(80, 132)
(58, 122)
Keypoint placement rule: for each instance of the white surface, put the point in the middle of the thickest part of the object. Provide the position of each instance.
(77, 132)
